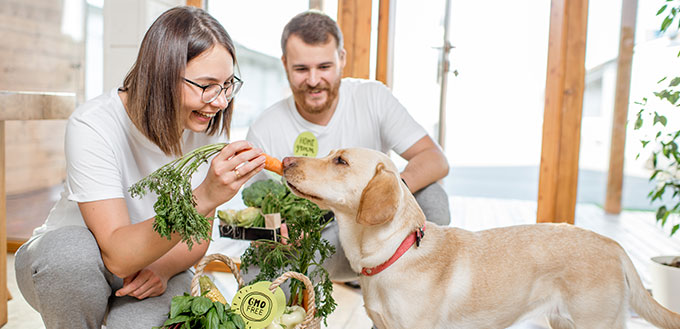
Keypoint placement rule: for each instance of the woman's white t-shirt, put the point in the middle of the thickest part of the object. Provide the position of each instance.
(105, 155)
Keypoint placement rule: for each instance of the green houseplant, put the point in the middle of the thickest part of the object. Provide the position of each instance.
(662, 138)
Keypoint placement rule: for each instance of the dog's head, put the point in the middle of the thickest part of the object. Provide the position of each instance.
(359, 182)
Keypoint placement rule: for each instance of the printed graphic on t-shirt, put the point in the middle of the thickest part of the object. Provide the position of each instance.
(306, 145)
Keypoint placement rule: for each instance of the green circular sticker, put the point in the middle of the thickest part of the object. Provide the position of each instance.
(257, 305)
(306, 145)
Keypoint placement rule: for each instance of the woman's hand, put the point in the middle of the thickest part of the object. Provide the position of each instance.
(143, 284)
(229, 170)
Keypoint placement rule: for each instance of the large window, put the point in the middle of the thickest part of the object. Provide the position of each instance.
(495, 103)
(255, 27)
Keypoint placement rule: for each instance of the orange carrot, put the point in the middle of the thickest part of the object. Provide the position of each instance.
(273, 164)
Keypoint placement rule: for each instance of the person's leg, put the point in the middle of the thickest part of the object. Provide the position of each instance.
(131, 313)
(337, 265)
(434, 202)
(62, 276)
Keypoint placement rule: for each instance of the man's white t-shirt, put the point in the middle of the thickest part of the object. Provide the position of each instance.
(105, 155)
(367, 115)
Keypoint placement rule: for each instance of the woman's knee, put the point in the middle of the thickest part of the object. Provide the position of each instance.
(65, 266)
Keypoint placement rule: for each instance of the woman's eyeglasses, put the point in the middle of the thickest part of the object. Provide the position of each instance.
(213, 90)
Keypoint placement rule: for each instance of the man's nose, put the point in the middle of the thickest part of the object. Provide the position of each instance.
(313, 78)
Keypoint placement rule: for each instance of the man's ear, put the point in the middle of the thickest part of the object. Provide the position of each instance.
(380, 198)
(343, 58)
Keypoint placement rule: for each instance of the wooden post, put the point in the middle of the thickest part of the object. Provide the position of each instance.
(195, 3)
(354, 19)
(558, 178)
(624, 66)
(382, 67)
(4, 292)
(23, 106)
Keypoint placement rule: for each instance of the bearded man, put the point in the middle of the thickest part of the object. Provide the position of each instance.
(328, 112)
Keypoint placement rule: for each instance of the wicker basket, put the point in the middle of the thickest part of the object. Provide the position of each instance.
(310, 322)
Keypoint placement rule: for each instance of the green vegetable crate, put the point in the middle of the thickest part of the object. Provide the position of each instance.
(310, 321)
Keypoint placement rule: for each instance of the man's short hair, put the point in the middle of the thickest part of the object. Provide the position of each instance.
(313, 27)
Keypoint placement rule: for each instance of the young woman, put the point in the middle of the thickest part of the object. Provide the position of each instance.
(97, 256)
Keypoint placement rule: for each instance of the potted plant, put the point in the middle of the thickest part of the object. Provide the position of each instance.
(661, 139)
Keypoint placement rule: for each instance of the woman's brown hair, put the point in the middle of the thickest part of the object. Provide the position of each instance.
(154, 81)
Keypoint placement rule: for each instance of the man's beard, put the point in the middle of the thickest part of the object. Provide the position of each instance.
(301, 100)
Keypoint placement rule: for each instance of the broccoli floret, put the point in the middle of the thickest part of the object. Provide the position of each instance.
(254, 194)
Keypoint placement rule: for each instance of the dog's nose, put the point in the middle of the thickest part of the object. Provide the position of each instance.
(289, 162)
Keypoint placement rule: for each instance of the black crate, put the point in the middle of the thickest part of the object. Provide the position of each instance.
(258, 233)
(248, 233)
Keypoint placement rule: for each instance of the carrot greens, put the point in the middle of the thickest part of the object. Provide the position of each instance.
(176, 205)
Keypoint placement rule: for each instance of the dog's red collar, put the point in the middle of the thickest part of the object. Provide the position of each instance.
(405, 245)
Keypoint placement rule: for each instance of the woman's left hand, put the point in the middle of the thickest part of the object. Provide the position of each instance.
(143, 284)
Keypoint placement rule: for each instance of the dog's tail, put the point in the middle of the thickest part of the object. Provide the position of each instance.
(643, 303)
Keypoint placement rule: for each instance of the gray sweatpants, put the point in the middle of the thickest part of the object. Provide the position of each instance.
(432, 200)
(62, 276)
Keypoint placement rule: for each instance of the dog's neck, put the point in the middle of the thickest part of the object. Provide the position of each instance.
(370, 246)
(410, 240)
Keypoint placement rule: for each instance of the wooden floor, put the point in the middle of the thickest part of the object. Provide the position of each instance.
(635, 231)
(27, 211)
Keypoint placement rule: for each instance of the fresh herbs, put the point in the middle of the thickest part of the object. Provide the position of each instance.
(189, 312)
(176, 206)
(306, 251)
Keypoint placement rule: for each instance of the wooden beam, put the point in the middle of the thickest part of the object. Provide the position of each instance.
(36, 105)
(558, 178)
(23, 106)
(384, 40)
(354, 19)
(195, 3)
(3, 230)
(624, 66)
(14, 244)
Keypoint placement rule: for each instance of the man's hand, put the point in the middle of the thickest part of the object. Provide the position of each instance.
(143, 284)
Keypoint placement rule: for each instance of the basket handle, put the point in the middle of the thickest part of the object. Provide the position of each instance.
(195, 288)
(309, 292)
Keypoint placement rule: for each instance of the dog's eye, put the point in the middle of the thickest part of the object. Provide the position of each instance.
(340, 161)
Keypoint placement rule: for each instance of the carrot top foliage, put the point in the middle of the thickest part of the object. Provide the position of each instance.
(176, 205)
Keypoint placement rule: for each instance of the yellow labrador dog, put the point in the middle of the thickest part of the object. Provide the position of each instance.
(452, 278)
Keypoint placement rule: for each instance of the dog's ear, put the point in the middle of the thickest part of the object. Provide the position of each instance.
(380, 198)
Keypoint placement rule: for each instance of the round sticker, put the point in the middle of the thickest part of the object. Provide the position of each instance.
(257, 305)
(306, 145)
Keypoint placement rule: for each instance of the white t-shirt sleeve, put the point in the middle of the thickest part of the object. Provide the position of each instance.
(398, 130)
(93, 173)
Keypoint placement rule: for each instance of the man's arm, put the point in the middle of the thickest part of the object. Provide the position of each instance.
(426, 164)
